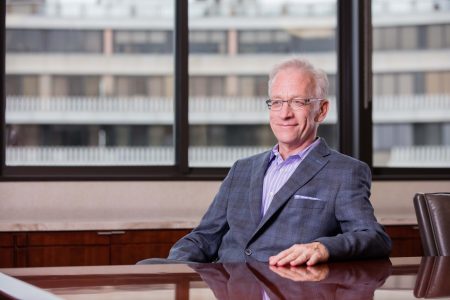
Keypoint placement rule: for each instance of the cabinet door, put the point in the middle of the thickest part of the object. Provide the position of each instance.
(135, 245)
(405, 240)
(52, 256)
(6, 250)
(6, 257)
(67, 249)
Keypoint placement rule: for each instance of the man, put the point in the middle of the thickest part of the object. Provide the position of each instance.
(301, 202)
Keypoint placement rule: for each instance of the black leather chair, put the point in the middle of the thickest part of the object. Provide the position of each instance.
(433, 216)
(432, 277)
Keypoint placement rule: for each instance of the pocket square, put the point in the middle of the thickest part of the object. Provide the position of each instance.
(306, 197)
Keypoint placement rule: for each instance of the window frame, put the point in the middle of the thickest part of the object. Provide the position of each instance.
(354, 81)
(365, 124)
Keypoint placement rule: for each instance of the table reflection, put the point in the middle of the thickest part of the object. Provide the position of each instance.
(344, 280)
(405, 278)
(433, 277)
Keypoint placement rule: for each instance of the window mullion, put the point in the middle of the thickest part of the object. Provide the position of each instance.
(354, 82)
(181, 84)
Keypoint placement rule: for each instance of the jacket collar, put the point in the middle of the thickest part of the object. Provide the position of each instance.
(307, 169)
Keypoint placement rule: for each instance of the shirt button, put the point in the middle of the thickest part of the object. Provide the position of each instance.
(248, 252)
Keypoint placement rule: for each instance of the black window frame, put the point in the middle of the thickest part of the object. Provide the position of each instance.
(354, 82)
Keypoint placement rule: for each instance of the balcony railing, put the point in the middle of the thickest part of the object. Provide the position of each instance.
(124, 156)
(203, 110)
(420, 156)
(411, 108)
(137, 110)
(413, 156)
(160, 9)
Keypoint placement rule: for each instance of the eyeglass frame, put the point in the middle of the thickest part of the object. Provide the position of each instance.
(305, 101)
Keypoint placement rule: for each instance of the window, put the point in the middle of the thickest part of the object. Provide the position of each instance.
(75, 85)
(227, 111)
(74, 99)
(434, 36)
(26, 85)
(253, 86)
(144, 42)
(290, 40)
(399, 37)
(152, 86)
(206, 86)
(408, 37)
(411, 98)
(202, 41)
(176, 89)
(53, 40)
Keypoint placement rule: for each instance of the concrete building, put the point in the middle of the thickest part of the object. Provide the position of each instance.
(91, 82)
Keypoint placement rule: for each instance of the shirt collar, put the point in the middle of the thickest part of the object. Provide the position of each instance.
(275, 153)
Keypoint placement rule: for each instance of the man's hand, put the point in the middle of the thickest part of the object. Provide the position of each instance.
(299, 254)
(302, 273)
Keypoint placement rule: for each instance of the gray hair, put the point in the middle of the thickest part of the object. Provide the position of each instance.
(319, 77)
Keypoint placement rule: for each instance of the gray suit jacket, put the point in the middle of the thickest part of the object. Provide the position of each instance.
(325, 200)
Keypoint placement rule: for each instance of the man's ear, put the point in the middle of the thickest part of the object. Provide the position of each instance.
(322, 112)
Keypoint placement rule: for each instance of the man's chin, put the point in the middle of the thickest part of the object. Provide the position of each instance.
(292, 142)
(289, 143)
(287, 137)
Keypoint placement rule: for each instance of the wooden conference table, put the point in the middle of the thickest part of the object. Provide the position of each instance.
(397, 278)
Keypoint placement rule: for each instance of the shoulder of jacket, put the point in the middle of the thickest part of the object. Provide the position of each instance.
(343, 158)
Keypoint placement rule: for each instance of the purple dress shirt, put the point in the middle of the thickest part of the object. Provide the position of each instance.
(279, 171)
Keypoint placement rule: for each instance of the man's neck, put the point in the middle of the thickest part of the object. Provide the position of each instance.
(288, 150)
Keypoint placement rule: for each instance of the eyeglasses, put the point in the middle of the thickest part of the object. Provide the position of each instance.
(295, 104)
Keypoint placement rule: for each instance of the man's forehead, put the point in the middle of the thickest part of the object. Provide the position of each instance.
(294, 72)
(292, 77)
(292, 85)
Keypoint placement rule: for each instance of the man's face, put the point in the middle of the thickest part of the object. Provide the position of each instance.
(295, 129)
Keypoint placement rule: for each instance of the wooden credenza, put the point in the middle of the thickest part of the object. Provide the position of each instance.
(125, 247)
(405, 240)
(84, 248)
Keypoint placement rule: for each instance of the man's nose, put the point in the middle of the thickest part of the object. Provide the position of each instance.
(286, 110)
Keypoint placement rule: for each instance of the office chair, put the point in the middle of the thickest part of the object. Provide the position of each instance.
(432, 277)
(433, 216)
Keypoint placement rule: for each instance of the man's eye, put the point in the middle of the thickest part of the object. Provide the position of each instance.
(298, 102)
(276, 102)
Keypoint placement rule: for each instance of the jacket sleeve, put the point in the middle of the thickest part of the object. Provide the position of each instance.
(362, 236)
(202, 244)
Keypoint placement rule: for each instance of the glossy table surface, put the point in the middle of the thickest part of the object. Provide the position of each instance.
(397, 278)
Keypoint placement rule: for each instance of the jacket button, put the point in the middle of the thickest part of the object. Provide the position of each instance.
(248, 252)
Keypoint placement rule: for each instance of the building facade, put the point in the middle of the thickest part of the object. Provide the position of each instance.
(91, 82)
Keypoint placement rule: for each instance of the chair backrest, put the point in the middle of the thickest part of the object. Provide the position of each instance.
(433, 216)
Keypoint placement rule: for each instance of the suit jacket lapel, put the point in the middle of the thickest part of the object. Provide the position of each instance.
(256, 186)
(309, 167)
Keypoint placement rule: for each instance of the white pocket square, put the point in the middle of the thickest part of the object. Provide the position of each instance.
(306, 197)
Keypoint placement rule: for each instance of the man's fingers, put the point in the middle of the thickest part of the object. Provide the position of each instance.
(320, 255)
(301, 273)
(314, 259)
(287, 259)
(299, 254)
(284, 272)
(274, 260)
(300, 260)
(313, 271)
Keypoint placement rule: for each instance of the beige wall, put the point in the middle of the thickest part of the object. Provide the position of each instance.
(115, 205)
